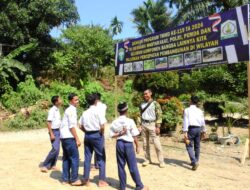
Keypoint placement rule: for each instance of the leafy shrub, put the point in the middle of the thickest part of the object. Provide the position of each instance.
(172, 110)
(92, 87)
(36, 120)
(60, 89)
(27, 94)
(127, 88)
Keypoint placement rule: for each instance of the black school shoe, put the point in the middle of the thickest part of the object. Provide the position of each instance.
(195, 166)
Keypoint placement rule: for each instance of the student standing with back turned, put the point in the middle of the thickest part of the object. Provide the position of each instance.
(193, 126)
(53, 124)
(126, 132)
(92, 124)
(102, 109)
(70, 143)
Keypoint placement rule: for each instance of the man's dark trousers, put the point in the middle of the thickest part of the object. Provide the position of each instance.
(70, 160)
(94, 142)
(194, 135)
(125, 153)
(51, 159)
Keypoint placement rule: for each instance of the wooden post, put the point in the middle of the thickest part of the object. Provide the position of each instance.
(248, 87)
(244, 154)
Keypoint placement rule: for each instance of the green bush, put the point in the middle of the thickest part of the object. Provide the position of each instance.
(27, 94)
(172, 110)
(128, 86)
(36, 120)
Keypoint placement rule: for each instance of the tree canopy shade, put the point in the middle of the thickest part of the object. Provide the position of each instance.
(26, 21)
(85, 49)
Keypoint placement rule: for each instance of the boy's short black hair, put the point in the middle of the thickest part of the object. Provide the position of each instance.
(91, 98)
(71, 96)
(98, 96)
(54, 99)
(122, 108)
(194, 99)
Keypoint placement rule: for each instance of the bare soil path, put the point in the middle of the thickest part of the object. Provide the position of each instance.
(22, 153)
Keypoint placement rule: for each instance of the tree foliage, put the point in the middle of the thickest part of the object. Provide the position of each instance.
(116, 26)
(85, 50)
(26, 21)
(189, 10)
(161, 83)
(9, 65)
(151, 17)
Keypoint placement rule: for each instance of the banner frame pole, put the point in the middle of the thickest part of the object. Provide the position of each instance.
(248, 76)
(116, 95)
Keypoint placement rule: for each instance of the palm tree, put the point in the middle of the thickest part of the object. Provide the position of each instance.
(151, 17)
(9, 66)
(116, 26)
(189, 10)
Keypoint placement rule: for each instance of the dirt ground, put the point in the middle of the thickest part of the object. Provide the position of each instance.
(22, 153)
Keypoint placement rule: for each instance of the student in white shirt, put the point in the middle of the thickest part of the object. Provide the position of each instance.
(53, 124)
(102, 110)
(70, 143)
(92, 124)
(126, 132)
(193, 126)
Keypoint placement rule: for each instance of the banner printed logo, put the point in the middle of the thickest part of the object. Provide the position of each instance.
(229, 29)
(217, 21)
(121, 54)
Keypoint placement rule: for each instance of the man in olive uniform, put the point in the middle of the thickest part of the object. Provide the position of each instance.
(150, 121)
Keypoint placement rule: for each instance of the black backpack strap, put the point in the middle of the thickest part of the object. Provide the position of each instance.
(146, 107)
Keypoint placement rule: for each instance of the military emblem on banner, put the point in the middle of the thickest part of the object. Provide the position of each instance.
(229, 29)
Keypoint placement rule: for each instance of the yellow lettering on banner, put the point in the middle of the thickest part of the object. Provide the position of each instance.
(149, 56)
(150, 39)
(155, 43)
(176, 38)
(206, 30)
(191, 34)
(164, 41)
(131, 59)
(150, 50)
(136, 53)
(186, 42)
(201, 38)
(138, 47)
(137, 42)
(207, 44)
(164, 35)
(197, 26)
(168, 46)
(175, 51)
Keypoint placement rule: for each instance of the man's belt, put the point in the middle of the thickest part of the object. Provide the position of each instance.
(147, 121)
(92, 132)
(193, 126)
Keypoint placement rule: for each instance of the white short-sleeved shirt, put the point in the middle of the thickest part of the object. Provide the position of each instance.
(118, 125)
(102, 109)
(54, 117)
(92, 119)
(149, 113)
(69, 121)
(193, 116)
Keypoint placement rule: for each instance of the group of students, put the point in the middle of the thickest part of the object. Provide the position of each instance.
(92, 123)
